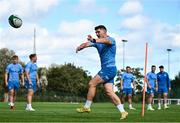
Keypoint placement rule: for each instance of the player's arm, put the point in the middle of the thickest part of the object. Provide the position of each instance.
(6, 79)
(147, 80)
(22, 79)
(6, 75)
(22, 75)
(37, 76)
(27, 73)
(100, 40)
(28, 77)
(168, 83)
(104, 41)
(84, 45)
(156, 83)
(133, 82)
(121, 82)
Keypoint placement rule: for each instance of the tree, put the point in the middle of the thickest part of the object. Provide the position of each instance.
(5, 59)
(175, 84)
(68, 79)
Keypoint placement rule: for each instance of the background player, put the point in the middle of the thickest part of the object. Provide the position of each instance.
(151, 86)
(126, 85)
(32, 80)
(12, 73)
(164, 85)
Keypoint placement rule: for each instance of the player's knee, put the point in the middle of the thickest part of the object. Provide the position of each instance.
(129, 96)
(151, 95)
(165, 94)
(109, 93)
(92, 84)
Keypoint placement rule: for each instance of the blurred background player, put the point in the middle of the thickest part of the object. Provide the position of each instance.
(32, 80)
(127, 82)
(13, 71)
(151, 86)
(164, 85)
(106, 47)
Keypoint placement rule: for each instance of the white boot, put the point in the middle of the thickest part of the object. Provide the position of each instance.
(159, 106)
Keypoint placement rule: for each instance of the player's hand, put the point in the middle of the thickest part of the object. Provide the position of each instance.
(121, 87)
(38, 84)
(90, 38)
(78, 49)
(169, 89)
(82, 46)
(6, 84)
(22, 83)
(149, 86)
(156, 89)
(30, 82)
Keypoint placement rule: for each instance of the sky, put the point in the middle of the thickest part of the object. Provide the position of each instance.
(61, 25)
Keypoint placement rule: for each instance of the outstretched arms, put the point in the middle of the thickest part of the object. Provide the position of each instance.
(84, 45)
(99, 40)
(92, 42)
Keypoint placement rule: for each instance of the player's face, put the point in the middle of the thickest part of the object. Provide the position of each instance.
(100, 33)
(153, 69)
(15, 60)
(161, 69)
(34, 59)
(128, 70)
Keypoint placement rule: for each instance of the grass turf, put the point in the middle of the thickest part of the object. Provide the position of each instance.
(101, 112)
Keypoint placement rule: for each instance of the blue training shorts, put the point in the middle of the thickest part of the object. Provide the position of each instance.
(13, 85)
(31, 86)
(150, 90)
(127, 91)
(162, 90)
(108, 74)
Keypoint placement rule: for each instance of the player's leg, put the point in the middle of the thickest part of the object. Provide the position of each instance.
(123, 96)
(150, 99)
(159, 101)
(91, 93)
(29, 99)
(92, 87)
(16, 88)
(165, 100)
(130, 99)
(11, 94)
(165, 95)
(160, 92)
(110, 93)
(14, 96)
(115, 99)
(11, 98)
(31, 90)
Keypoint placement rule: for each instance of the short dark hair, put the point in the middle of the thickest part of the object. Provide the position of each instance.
(161, 66)
(32, 56)
(14, 57)
(128, 67)
(153, 66)
(100, 27)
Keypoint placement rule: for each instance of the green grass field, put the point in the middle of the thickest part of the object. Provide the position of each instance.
(101, 112)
